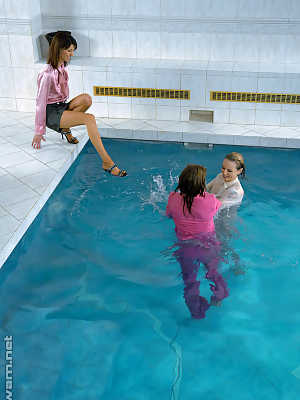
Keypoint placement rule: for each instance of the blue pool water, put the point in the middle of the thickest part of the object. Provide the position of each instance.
(93, 295)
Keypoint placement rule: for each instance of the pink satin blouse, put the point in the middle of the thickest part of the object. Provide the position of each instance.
(52, 88)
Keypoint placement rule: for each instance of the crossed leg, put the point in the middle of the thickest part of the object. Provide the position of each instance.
(76, 116)
(80, 103)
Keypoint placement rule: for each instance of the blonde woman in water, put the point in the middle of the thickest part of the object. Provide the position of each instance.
(228, 189)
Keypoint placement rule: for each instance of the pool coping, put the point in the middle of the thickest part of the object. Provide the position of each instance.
(189, 132)
(30, 217)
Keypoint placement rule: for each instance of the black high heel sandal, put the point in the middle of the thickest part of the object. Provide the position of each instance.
(121, 173)
(72, 139)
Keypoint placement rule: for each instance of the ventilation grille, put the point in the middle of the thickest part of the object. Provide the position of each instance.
(278, 98)
(142, 92)
(201, 115)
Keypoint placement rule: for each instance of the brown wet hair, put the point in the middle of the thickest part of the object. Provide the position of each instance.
(191, 183)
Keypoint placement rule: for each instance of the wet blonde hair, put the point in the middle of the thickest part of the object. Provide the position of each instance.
(238, 159)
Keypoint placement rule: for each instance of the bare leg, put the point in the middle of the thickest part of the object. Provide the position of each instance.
(80, 103)
(76, 118)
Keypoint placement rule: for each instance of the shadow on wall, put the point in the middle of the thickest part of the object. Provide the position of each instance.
(82, 41)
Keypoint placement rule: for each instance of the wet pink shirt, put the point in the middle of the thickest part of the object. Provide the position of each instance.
(188, 226)
(52, 88)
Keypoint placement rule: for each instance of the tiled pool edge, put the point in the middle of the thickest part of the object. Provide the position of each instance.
(203, 137)
(25, 224)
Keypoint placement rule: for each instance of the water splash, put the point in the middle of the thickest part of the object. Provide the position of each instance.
(159, 192)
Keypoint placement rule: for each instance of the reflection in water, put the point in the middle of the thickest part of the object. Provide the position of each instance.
(226, 231)
(190, 254)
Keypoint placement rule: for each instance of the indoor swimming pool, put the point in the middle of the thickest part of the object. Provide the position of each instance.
(93, 295)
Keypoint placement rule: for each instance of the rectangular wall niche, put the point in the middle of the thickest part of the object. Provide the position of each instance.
(142, 92)
(279, 98)
(201, 115)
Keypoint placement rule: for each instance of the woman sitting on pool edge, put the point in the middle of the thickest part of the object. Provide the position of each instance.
(53, 111)
(193, 209)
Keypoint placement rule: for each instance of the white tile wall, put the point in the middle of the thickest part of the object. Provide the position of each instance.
(5, 59)
(25, 88)
(272, 48)
(222, 46)
(124, 44)
(119, 79)
(172, 45)
(223, 9)
(290, 118)
(246, 47)
(221, 116)
(248, 9)
(185, 113)
(99, 110)
(197, 9)
(168, 113)
(148, 8)
(98, 7)
(21, 50)
(271, 84)
(119, 110)
(101, 43)
(264, 117)
(148, 45)
(2, 9)
(292, 45)
(169, 9)
(143, 111)
(64, 8)
(196, 84)
(143, 80)
(14, 10)
(121, 7)
(197, 46)
(242, 116)
(244, 82)
(7, 88)
(294, 9)
(273, 9)
(76, 84)
(94, 78)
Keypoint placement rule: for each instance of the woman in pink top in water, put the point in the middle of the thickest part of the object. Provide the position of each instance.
(193, 210)
(52, 108)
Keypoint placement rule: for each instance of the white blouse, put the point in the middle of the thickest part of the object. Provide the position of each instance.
(228, 193)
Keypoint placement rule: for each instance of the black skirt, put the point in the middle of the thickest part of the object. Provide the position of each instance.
(53, 115)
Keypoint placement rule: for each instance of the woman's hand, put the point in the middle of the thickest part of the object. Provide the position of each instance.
(36, 141)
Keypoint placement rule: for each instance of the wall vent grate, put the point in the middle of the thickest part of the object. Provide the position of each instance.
(279, 98)
(201, 115)
(142, 92)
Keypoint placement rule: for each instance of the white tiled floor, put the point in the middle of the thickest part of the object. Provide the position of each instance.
(29, 176)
